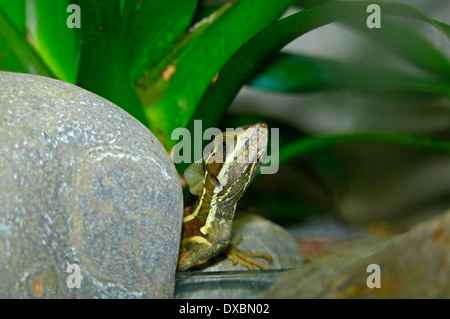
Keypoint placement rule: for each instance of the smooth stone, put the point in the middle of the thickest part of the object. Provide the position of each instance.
(83, 183)
(411, 265)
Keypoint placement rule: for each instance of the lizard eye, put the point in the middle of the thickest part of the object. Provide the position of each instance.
(224, 143)
(228, 143)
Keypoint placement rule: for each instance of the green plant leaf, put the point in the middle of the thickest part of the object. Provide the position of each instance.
(394, 8)
(16, 55)
(313, 143)
(103, 65)
(15, 10)
(400, 9)
(53, 40)
(258, 51)
(171, 98)
(407, 43)
(152, 28)
(205, 9)
(298, 74)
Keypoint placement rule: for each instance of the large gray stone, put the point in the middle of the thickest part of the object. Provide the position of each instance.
(82, 182)
(415, 264)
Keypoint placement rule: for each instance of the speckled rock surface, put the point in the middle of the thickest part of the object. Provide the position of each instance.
(411, 265)
(82, 182)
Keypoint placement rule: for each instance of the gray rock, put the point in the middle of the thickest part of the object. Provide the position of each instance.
(82, 182)
(412, 265)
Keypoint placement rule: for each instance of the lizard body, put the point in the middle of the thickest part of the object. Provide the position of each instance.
(219, 180)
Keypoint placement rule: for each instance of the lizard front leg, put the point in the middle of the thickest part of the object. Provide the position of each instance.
(196, 251)
(245, 258)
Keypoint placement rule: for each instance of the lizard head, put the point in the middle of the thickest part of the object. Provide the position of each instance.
(234, 160)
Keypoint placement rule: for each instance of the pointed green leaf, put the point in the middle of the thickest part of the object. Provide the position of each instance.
(16, 54)
(257, 52)
(103, 60)
(53, 40)
(393, 8)
(298, 74)
(313, 143)
(15, 10)
(408, 44)
(171, 98)
(152, 28)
